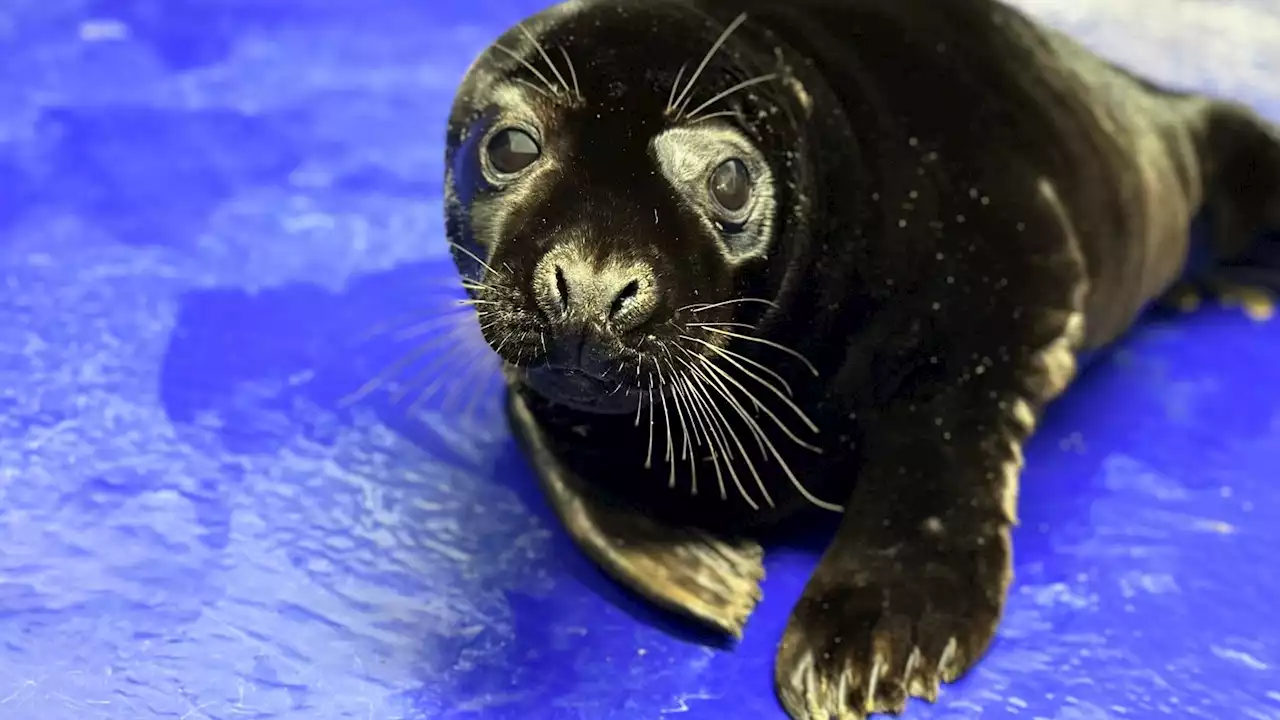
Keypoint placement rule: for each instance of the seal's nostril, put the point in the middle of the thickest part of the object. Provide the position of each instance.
(562, 289)
(612, 297)
(627, 294)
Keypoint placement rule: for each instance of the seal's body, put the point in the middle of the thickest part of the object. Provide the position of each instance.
(744, 257)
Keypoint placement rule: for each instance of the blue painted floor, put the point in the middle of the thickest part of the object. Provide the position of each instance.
(208, 208)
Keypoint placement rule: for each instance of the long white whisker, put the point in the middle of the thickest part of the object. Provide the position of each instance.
(453, 325)
(444, 316)
(681, 101)
(725, 428)
(572, 72)
(745, 326)
(733, 401)
(648, 455)
(733, 357)
(693, 115)
(381, 378)
(545, 56)
(666, 418)
(768, 343)
(686, 448)
(535, 88)
(671, 97)
(703, 307)
(473, 256)
(515, 56)
(686, 389)
(445, 360)
(687, 445)
(786, 468)
(765, 408)
(468, 380)
(714, 115)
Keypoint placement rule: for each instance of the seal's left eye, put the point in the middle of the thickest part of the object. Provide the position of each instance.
(512, 150)
(730, 186)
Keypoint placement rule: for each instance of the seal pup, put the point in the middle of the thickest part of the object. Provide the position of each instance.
(743, 258)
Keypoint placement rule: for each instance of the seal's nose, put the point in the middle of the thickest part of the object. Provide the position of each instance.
(616, 296)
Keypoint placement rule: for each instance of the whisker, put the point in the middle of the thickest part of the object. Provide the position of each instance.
(684, 387)
(672, 95)
(666, 419)
(505, 339)
(711, 116)
(473, 256)
(444, 360)
(782, 463)
(447, 314)
(745, 326)
(765, 408)
(535, 88)
(572, 72)
(715, 383)
(687, 450)
(769, 343)
(786, 468)
(639, 405)
(451, 323)
(681, 101)
(515, 56)
(648, 455)
(730, 356)
(724, 428)
(703, 307)
(481, 364)
(693, 116)
(542, 51)
(380, 379)
(469, 361)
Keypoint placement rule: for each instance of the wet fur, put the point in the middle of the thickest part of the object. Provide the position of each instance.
(964, 201)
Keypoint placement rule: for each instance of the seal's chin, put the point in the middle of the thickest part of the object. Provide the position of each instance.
(581, 390)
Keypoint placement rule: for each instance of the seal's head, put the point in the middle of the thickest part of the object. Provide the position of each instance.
(617, 179)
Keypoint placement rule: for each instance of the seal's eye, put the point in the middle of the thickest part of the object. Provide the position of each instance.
(512, 150)
(731, 186)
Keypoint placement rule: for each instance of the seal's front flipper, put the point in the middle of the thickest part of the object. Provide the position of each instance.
(710, 579)
(909, 594)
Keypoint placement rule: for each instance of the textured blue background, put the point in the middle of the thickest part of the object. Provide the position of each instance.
(204, 207)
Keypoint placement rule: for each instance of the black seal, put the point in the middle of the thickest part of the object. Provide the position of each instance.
(745, 257)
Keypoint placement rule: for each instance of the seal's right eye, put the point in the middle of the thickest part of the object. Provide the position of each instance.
(512, 150)
(730, 187)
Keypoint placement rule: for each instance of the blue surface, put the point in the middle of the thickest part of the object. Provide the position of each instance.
(205, 206)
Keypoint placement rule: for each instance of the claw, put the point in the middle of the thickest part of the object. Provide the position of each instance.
(921, 677)
(950, 665)
(873, 681)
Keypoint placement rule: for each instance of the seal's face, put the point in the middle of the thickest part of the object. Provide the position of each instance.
(609, 215)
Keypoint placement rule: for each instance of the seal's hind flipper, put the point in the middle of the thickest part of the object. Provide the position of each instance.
(1240, 165)
(1237, 261)
(710, 579)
